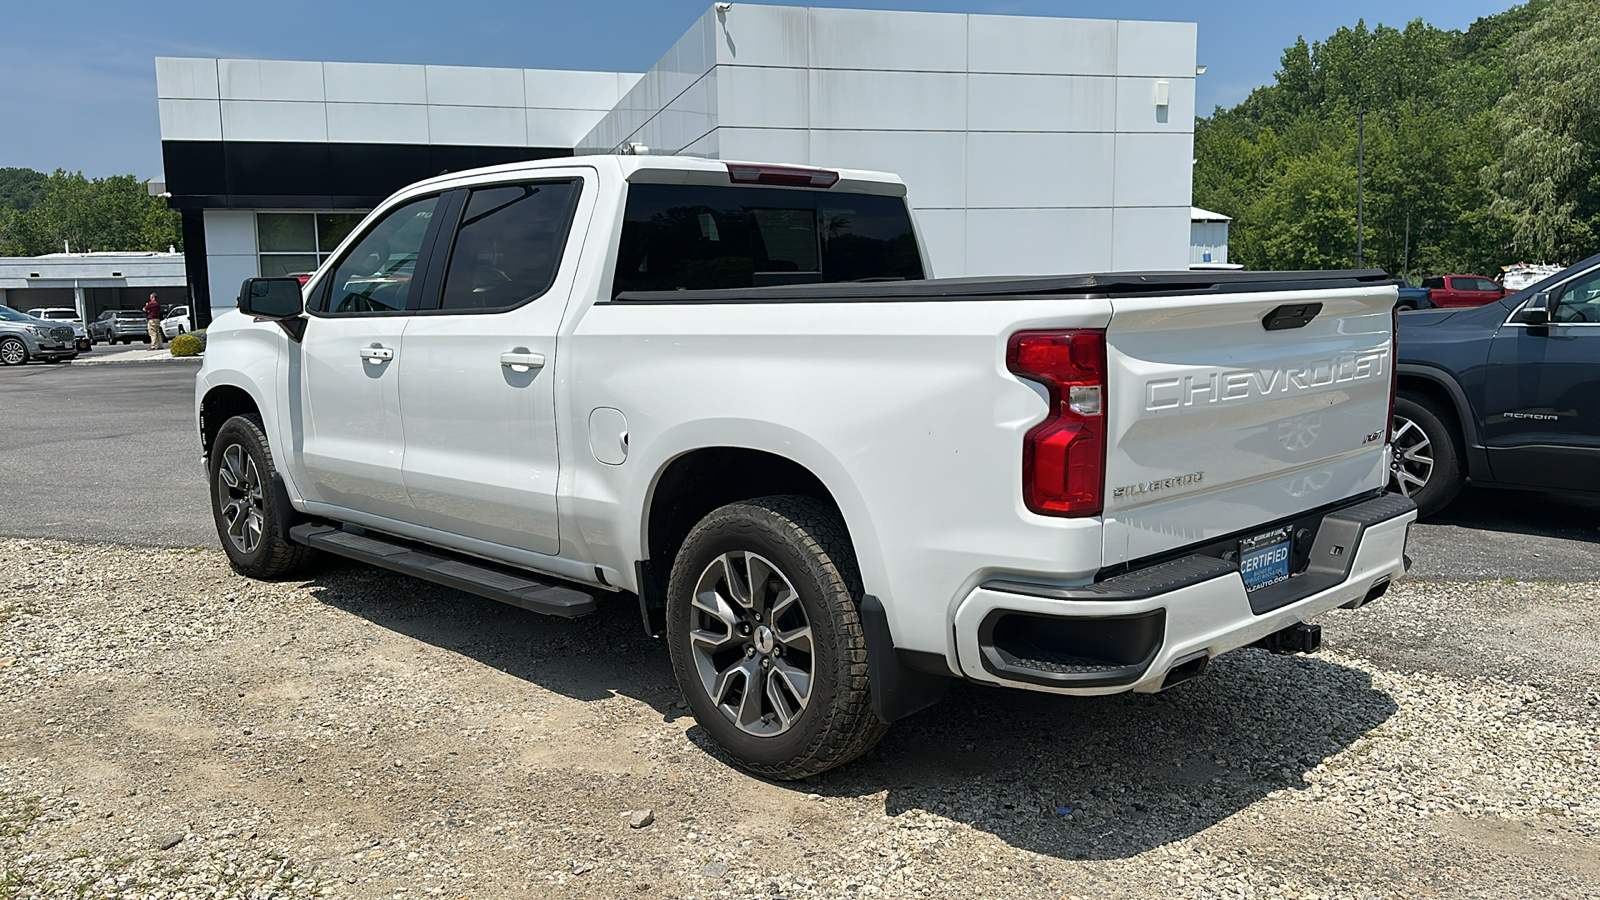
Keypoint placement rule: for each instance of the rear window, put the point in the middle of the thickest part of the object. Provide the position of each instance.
(692, 237)
(58, 314)
(130, 314)
(1433, 282)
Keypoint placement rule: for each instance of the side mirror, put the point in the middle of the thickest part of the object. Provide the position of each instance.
(277, 299)
(271, 298)
(1537, 310)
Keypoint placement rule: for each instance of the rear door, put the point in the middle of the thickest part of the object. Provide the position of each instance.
(1542, 393)
(478, 386)
(1217, 425)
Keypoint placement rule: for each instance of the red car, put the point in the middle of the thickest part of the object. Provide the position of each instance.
(1462, 290)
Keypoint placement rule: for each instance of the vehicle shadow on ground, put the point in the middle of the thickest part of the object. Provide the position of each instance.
(1110, 777)
(586, 659)
(1071, 777)
(1523, 512)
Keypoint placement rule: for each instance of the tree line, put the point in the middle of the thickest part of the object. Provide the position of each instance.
(1482, 147)
(42, 214)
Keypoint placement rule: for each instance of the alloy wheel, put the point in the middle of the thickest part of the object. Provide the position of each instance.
(1410, 457)
(751, 643)
(12, 352)
(240, 482)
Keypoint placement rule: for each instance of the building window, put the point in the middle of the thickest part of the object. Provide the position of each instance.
(291, 243)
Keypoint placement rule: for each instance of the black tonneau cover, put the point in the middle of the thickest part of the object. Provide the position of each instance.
(1018, 286)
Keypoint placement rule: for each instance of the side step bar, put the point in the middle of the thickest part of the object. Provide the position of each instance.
(461, 573)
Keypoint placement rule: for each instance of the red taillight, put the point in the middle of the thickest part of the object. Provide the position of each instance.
(1064, 457)
(788, 176)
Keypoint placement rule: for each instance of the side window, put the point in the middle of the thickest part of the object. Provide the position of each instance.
(693, 237)
(1431, 283)
(508, 246)
(375, 276)
(1579, 301)
(1484, 284)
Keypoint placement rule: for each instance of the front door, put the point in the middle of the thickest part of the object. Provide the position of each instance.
(1542, 409)
(478, 384)
(348, 366)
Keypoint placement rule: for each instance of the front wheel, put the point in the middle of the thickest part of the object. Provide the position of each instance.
(1424, 462)
(13, 352)
(245, 506)
(766, 639)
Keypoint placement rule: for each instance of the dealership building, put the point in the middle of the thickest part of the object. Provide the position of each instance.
(1028, 145)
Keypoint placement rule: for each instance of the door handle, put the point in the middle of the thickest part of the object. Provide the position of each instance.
(376, 355)
(522, 361)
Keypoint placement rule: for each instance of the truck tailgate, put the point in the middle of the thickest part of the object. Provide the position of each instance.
(1217, 424)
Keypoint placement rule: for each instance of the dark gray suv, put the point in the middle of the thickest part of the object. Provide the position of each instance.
(22, 337)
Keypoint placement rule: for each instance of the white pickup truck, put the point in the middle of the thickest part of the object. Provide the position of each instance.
(728, 391)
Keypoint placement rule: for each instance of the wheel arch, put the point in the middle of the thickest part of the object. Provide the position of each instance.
(1442, 386)
(219, 404)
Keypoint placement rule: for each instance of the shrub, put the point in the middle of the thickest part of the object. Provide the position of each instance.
(187, 345)
(201, 334)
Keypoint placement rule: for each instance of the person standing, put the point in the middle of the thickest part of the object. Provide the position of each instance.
(152, 321)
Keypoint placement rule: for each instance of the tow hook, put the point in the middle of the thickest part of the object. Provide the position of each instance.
(1297, 638)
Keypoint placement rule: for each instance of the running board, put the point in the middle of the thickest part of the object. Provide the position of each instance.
(461, 573)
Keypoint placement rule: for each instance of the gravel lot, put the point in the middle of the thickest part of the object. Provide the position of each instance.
(173, 730)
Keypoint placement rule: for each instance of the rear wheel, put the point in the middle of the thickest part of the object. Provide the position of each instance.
(13, 352)
(246, 507)
(766, 638)
(1424, 455)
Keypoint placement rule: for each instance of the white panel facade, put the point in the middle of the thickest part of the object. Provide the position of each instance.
(1041, 46)
(186, 79)
(273, 120)
(1037, 241)
(1142, 238)
(469, 86)
(1020, 138)
(870, 39)
(1050, 103)
(266, 79)
(377, 123)
(375, 83)
(230, 254)
(488, 126)
(190, 120)
(231, 232)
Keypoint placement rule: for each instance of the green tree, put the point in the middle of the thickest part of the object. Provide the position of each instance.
(1546, 180)
(1283, 162)
(65, 209)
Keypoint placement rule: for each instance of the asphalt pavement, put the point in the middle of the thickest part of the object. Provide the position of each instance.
(108, 453)
(102, 453)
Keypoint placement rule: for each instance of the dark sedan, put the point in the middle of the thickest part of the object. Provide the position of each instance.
(1506, 394)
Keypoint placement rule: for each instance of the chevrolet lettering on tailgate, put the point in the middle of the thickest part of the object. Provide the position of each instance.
(1222, 387)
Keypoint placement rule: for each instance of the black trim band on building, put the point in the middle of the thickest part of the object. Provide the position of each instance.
(287, 175)
(193, 227)
(204, 175)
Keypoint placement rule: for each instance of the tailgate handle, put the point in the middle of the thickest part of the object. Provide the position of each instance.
(1290, 315)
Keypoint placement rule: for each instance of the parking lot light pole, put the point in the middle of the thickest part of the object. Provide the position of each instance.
(1361, 165)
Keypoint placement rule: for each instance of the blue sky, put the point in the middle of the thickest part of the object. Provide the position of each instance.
(77, 79)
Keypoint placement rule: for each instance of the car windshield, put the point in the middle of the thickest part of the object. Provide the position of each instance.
(10, 315)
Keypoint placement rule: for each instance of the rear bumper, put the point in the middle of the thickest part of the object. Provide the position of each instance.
(1127, 633)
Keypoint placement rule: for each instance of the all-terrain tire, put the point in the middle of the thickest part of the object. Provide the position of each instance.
(272, 555)
(806, 541)
(1438, 426)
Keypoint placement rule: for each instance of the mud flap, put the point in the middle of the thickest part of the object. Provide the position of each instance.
(898, 689)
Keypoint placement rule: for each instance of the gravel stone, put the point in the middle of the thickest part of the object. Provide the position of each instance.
(641, 818)
(1443, 743)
